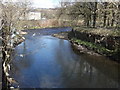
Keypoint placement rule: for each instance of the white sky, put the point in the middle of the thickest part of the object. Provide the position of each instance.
(50, 3)
(40, 3)
(45, 3)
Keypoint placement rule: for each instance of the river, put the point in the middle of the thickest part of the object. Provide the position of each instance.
(43, 61)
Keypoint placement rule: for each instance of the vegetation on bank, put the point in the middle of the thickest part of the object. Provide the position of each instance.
(97, 48)
(37, 27)
(99, 31)
(39, 24)
(99, 28)
(113, 54)
(93, 46)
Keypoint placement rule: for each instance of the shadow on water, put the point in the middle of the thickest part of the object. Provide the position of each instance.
(43, 61)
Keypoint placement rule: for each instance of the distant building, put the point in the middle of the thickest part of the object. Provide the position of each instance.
(34, 16)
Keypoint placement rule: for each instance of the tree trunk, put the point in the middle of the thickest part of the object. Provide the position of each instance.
(104, 19)
(108, 22)
(118, 17)
(94, 15)
(112, 21)
(88, 23)
(4, 79)
(4, 44)
(105, 14)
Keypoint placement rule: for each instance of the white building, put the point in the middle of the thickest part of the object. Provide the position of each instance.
(34, 16)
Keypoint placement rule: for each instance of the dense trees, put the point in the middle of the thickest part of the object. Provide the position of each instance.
(94, 14)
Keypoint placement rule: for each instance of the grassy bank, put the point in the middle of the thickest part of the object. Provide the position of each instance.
(99, 31)
(97, 48)
(87, 37)
(112, 54)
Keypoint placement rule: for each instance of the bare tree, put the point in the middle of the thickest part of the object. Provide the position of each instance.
(11, 14)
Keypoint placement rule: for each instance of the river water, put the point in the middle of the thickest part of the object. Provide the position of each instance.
(43, 61)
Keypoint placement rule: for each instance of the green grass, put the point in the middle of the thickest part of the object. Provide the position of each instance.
(95, 47)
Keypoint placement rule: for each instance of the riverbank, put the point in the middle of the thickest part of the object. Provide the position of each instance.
(94, 42)
(80, 48)
(50, 27)
(9, 82)
(61, 35)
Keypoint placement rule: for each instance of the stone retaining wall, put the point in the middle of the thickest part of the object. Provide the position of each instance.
(109, 42)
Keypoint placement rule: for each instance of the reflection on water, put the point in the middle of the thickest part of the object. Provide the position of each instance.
(49, 62)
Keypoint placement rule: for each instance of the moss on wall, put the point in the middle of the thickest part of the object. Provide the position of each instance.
(106, 45)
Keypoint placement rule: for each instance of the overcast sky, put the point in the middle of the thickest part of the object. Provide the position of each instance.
(40, 3)
(51, 3)
(45, 3)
